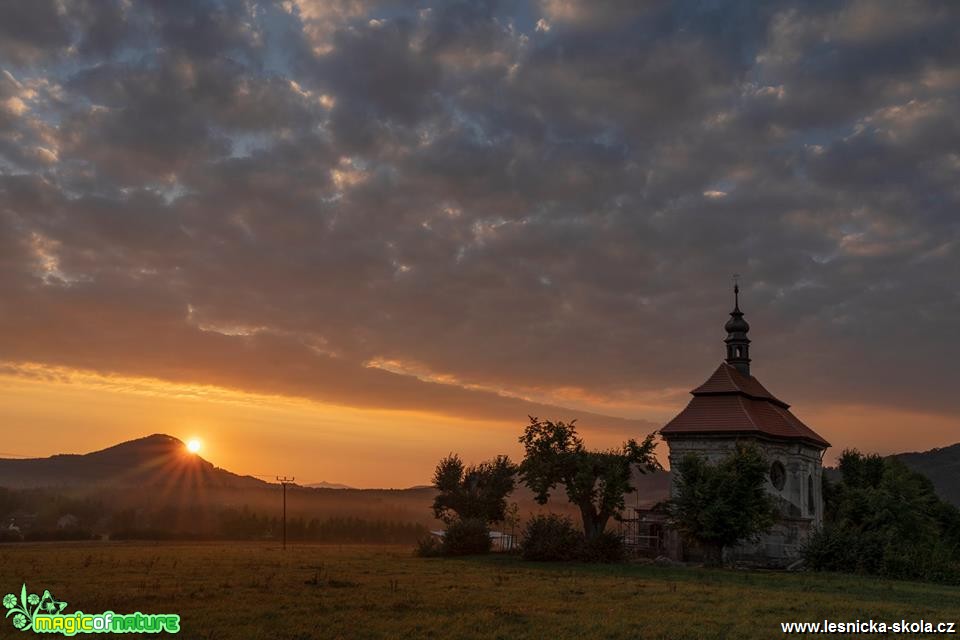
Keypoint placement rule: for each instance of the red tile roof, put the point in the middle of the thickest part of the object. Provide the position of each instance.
(734, 403)
(727, 379)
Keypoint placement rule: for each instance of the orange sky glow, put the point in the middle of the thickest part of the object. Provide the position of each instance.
(264, 435)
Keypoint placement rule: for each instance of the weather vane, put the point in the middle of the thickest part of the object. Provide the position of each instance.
(736, 281)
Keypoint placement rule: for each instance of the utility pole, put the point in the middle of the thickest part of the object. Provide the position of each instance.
(284, 481)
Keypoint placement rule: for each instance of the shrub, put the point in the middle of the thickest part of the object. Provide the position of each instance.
(428, 547)
(833, 549)
(550, 537)
(606, 547)
(466, 537)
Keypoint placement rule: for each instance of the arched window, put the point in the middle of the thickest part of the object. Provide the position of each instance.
(811, 503)
(778, 475)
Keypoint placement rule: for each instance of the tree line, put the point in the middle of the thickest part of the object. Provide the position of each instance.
(247, 525)
(717, 505)
(44, 514)
(472, 498)
(881, 518)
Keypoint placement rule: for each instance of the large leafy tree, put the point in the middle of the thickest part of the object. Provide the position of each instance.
(477, 492)
(719, 505)
(595, 481)
(882, 518)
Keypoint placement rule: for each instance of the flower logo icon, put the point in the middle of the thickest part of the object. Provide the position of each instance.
(25, 608)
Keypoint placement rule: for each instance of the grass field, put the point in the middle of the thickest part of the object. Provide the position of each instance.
(234, 591)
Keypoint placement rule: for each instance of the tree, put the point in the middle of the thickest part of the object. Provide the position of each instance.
(479, 492)
(882, 518)
(720, 505)
(595, 481)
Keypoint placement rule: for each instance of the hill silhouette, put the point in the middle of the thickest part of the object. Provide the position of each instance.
(942, 466)
(163, 460)
(323, 484)
(165, 486)
(156, 460)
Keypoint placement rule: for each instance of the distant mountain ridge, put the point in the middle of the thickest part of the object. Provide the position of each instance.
(323, 484)
(156, 460)
(163, 460)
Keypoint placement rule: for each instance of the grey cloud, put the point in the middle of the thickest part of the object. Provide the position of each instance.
(453, 191)
(29, 32)
(164, 113)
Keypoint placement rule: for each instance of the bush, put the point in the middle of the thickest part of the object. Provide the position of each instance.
(428, 547)
(549, 538)
(466, 537)
(606, 547)
(835, 548)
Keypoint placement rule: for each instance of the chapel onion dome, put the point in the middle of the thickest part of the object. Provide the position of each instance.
(736, 323)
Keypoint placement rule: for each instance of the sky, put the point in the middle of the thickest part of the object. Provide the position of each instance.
(341, 239)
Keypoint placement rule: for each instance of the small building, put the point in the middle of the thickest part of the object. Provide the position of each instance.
(22, 521)
(733, 406)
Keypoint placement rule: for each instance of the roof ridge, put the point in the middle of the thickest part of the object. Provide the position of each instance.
(747, 411)
(796, 422)
(727, 367)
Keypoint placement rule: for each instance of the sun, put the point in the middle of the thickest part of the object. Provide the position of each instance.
(194, 445)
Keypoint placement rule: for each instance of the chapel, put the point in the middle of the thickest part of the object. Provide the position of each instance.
(733, 406)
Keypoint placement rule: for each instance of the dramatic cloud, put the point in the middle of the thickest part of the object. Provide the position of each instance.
(485, 208)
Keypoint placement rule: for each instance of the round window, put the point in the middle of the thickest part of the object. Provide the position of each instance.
(778, 475)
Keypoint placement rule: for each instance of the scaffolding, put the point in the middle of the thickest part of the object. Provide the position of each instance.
(643, 532)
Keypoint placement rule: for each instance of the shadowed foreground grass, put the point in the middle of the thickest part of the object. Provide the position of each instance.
(238, 590)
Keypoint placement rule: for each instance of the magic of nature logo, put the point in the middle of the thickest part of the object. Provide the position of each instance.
(44, 614)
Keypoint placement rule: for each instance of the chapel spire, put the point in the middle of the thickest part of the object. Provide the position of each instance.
(738, 344)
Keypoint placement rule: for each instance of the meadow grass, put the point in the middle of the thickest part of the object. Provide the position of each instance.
(229, 591)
